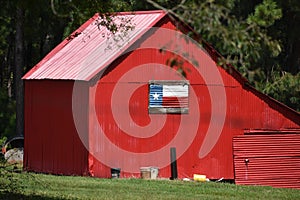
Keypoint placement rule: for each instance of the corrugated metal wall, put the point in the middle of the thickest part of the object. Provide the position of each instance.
(269, 159)
(52, 144)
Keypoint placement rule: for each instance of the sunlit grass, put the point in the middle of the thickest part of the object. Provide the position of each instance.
(41, 186)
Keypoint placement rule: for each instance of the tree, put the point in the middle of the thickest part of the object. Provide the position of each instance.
(7, 105)
(284, 87)
(287, 30)
(19, 69)
(7, 114)
(76, 12)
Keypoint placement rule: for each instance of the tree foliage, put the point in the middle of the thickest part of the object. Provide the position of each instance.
(284, 87)
(76, 12)
(7, 115)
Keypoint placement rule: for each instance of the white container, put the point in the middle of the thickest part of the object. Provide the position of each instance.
(154, 172)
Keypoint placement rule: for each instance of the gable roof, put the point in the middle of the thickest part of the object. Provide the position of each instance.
(84, 53)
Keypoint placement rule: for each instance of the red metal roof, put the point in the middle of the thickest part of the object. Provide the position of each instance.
(88, 50)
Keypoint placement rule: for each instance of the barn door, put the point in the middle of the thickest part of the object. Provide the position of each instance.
(272, 159)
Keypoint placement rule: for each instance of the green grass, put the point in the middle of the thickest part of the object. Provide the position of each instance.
(41, 186)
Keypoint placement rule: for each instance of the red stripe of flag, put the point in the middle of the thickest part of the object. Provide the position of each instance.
(175, 102)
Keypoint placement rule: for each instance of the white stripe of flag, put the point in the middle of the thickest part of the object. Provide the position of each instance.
(175, 91)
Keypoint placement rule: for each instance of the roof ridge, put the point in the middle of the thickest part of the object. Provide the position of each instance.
(140, 12)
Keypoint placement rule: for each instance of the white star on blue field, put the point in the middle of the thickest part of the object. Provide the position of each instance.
(155, 95)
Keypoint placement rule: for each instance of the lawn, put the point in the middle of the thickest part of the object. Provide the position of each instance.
(40, 186)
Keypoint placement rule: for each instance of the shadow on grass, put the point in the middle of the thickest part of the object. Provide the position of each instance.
(14, 196)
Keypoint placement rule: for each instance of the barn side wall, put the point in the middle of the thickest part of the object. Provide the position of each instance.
(52, 144)
(245, 109)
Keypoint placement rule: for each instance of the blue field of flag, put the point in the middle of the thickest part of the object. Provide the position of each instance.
(155, 95)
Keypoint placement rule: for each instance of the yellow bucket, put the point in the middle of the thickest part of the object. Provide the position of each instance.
(199, 177)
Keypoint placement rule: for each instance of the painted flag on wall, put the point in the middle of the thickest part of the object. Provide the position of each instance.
(168, 97)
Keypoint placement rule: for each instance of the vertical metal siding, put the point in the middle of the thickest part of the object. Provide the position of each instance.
(260, 111)
(267, 160)
(51, 142)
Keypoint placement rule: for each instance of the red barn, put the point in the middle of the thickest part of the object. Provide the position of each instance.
(101, 100)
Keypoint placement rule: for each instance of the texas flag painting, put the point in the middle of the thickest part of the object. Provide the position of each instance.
(168, 97)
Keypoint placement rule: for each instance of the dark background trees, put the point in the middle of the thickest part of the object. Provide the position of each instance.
(260, 38)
